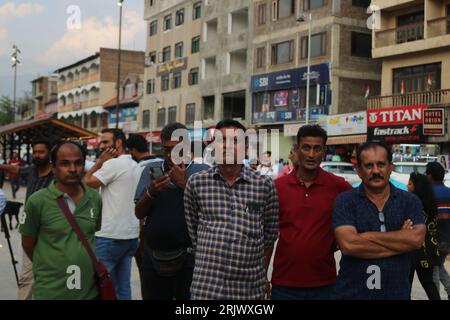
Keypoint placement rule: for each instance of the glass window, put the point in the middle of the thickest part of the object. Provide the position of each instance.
(150, 86)
(417, 78)
(261, 57)
(153, 27)
(146, 119)
(318, 45)
(195, 44)
(286, 8)
(361, 3)
(179, 17)
(262, 11)
(172, 114)
(190, 114)
(197, 10)
(176, 80)
(161, 119)
(283, 52)
(166, 54)
(193, 76)
(152, 56)
(313, 4)
(179, 50)
(168, 22)
(165, 83)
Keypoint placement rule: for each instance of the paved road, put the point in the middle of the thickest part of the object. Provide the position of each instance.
(8, 288)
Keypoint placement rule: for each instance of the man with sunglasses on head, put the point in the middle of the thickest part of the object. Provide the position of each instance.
(117, 175)
(376, 226)
(168, 262)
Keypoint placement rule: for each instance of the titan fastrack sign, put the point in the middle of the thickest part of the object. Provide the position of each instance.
(396, 125)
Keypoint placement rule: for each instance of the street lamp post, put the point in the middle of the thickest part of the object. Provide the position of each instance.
(302, 18)
(15, 60)
(119, 3)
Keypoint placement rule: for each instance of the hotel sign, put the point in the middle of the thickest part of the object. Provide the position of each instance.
(433, 122)
(175, 65)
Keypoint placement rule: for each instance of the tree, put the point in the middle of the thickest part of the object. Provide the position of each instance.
(6, 111)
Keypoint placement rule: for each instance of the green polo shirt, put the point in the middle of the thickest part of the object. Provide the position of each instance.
(61, 266)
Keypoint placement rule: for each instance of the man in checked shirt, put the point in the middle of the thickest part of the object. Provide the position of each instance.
(232, 217)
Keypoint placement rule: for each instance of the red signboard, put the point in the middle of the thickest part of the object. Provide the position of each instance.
(401, 124)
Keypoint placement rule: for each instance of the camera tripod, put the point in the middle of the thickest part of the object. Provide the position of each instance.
(5, 229)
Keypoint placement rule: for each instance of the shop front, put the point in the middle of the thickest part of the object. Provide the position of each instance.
(345, 133)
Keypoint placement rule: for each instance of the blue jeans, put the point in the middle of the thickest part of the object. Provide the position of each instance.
(302, 293)
(117, 256)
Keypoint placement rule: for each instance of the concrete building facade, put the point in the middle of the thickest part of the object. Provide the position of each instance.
(342, 70)
(45, 95)
(85, 86)
(172, 64)
(412, 38)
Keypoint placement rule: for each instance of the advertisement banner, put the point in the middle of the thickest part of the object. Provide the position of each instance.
(347, 124)
(396, 125)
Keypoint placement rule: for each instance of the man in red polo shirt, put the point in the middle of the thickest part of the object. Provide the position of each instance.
(304, 266)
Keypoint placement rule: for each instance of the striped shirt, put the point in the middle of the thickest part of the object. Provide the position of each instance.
(230, 227)
(442, 196)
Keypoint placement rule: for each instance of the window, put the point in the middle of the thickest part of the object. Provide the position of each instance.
(165, 83)
(153, 27)
(318, 45)
(152, 2)
(361, 44)
(417, 78)
(283, 52)
(166, 54)
(152, 56)
(93, 120)
(150, 86)
(361, 3)
(286, 8)
(161, 119)
(410, 27)
(190, 114)
(262, 11)
(179, 50)
(197, 10)
(146, 119)
(313, 4)
(193, 76)
(104, 120)
(179, 17)
(172, 115)
(168, 22)
(261, 57)
(176, 80)
(195, 44)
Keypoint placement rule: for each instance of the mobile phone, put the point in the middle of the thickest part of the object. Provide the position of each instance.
(156, 173)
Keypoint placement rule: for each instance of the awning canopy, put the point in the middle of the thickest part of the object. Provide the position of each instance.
(65, 115)
(14, 135)
(355, 139)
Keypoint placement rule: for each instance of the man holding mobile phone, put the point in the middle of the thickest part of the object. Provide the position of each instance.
(168, 262)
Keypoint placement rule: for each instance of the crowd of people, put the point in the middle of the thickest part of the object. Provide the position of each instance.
(201, 232)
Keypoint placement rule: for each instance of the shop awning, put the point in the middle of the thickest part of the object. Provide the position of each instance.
(355, 139)
(48, 128)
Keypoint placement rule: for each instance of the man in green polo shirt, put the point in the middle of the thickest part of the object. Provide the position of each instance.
(61, 266)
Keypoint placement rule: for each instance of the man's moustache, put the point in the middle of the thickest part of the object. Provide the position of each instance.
(375, 176)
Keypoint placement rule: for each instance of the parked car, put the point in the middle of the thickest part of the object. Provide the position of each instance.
(345, 170)
(402, 170)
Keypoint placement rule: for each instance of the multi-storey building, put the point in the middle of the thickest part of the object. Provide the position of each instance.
(45, 95)
(342, 70)
(172, 64)
(85, 86)
(412, 38)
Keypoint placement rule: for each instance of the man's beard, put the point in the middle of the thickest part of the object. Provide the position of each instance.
(41, 162)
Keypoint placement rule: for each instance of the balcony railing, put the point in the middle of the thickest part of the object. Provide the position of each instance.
(435, 97)
(407, 33)
(438, 27)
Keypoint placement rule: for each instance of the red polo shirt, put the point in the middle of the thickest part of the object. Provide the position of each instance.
(305, 251)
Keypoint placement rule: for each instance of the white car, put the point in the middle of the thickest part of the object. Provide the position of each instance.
(402, 170)
(345, 170)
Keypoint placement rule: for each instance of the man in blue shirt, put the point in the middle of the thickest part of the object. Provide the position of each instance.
(376, 225)
(165, 230)
(435, 173)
